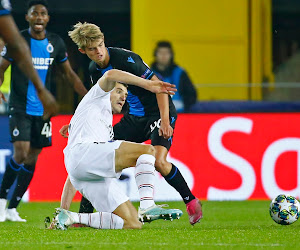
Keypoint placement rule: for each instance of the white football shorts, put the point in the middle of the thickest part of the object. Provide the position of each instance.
(91, 167)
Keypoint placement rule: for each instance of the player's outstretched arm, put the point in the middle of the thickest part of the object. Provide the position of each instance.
(20, 52)
(108, 81)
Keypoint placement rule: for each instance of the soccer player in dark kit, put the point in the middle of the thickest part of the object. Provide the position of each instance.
(19, 51)
(150, 116)
(29, 132)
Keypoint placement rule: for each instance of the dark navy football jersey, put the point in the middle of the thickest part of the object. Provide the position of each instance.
(5, 7)
(141, 102)
(45, 53)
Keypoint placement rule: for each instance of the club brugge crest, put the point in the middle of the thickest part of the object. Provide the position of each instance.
(16, 132)
(50, 48)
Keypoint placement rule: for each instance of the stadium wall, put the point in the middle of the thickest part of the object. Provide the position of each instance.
(222, 157)
(216, 41)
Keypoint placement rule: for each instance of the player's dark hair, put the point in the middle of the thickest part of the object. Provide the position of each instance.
(164, 44)
(31, 3)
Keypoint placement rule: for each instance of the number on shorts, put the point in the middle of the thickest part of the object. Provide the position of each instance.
(47, 129)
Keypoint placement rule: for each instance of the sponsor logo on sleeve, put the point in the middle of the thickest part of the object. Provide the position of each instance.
(146, 73)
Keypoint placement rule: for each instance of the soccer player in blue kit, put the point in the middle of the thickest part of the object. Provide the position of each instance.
(20, 53)
(29, 131)
(150, 116)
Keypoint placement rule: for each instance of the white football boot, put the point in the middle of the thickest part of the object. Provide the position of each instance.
(13, 215)
(3, 203)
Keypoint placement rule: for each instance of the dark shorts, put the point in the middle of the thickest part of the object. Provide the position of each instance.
(24, 127)
(140, 129)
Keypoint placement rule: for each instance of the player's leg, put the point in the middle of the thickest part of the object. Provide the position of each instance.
(127, 130)
(24, 177)
(123, 217)
(40, 137)
(172, 174)
(142, 157)
(13, 168)
(20, 132)
(129, 214)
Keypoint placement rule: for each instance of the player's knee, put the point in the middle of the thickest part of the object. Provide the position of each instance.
(20, 156)
(162, 166)
(150, 150)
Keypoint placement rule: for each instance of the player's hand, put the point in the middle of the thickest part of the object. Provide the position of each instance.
(64, 131)
(2, 97)
(165, 130)
(158, 87)
(49, 103)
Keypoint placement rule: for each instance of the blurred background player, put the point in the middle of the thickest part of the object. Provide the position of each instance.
(19, 51)
(29, 132)
(167, 70)
(150, 116)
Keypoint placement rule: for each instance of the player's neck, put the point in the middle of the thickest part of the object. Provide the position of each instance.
(37, 35)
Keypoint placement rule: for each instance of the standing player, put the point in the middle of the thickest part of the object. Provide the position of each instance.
(19, 51)
(151, 116)
(94, 162)
(29, 132)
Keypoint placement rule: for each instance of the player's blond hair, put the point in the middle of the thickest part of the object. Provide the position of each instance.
(83, 34)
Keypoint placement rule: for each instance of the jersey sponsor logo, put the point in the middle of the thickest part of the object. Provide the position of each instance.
(6, 4)
(50, 48)
(42, 63)
(130, 60)
(15, 132)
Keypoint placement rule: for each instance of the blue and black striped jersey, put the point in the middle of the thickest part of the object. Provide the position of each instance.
(141, 102)
(45, 53)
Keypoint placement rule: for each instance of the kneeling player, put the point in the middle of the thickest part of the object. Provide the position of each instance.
(94, 162)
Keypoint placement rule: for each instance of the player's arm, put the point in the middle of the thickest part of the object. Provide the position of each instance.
(73, 78)
(67, 195)
(108, 81)
(165, 129)
(20, 52)
(140, 68)
(3, 66)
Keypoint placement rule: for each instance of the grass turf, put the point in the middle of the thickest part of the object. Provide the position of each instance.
(230, 225)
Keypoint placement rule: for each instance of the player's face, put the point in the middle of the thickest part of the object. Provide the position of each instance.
(38, 18)
(97, 52)
(163, 56)
(118, 97)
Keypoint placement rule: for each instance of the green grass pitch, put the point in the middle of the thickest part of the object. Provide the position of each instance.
(226, 225)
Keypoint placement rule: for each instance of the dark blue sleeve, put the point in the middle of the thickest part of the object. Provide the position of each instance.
(62, 54)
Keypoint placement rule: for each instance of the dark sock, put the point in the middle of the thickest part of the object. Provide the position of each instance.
(176, 180)
(10, 175)
(85, 206)
(24, 179)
